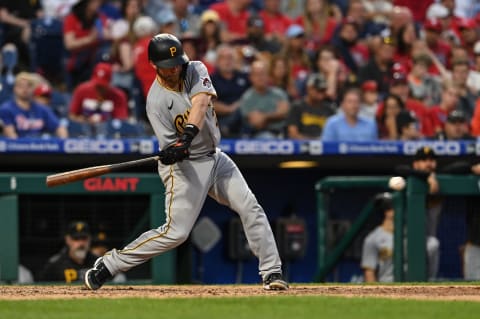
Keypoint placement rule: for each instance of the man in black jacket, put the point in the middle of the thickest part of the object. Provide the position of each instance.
(74, 259)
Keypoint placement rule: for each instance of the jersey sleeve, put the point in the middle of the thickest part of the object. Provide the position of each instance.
(198, 80)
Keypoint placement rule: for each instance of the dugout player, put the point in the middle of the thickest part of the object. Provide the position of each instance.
(180, 110)
(377, 250)
(71, 263)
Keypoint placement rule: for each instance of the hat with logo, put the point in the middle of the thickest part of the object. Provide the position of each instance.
(102, 74)
(425, 152)
(456, 116)
(43, 89)
(317, 80)
(78, 229)
(433, 25)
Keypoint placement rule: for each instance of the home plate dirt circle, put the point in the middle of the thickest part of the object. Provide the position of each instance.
(427, 292)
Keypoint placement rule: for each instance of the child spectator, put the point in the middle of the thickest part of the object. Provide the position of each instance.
(370, 99)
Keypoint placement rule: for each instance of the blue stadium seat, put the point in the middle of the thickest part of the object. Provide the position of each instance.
(77, 129)
(124, 129)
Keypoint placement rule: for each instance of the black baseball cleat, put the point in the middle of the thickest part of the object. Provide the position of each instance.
(97, 276)
(275, 281)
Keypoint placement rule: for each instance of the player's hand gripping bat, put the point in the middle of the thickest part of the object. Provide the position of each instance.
(84, 173)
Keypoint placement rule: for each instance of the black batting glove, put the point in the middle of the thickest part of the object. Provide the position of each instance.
(178, 151)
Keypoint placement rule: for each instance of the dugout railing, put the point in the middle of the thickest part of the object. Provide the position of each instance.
(14, 185)
(410, 216)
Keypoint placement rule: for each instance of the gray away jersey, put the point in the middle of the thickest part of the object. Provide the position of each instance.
(168, 111)
(377, 254)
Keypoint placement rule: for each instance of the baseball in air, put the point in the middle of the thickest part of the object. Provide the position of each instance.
(397, 183)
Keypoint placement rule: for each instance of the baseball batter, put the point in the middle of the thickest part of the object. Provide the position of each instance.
(180, 110)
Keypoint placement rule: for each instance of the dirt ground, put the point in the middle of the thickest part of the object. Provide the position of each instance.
(428, 292)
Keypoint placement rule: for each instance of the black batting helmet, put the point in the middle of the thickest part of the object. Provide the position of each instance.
(166, 51)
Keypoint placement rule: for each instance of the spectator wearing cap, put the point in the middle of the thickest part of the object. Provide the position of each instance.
(433, 29)
(448, 103)
(319, 20)
(308, 116)
(407, 126)
(96, 101)
(276, 22)
(74, 259)
(353, 53)
(370, 99)
(257, 39)
(468, 34)
(264, 107)
(42, 94)
(230, 84)
(456, 128)
(233, 15)
(379, 66)
(347, 125)
(439, 11)
(298, 58)
(423, 86)
(22, 116)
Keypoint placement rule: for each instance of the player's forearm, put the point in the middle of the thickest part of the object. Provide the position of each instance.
(200, 105)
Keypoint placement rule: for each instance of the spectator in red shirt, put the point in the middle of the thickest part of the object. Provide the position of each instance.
(234, 15)
(276, 23)
(433, 37)
(448, 103)
(85, 33)
(406, 36)
(97, 101)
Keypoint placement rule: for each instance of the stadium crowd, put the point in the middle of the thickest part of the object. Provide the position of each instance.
(338, 70)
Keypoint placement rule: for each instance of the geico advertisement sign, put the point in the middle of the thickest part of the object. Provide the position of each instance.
(264, 147)
(440, 148)
(94, 146)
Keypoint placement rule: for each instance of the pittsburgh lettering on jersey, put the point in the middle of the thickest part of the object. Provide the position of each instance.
(180, 121)
(313, 119)
(126, 184)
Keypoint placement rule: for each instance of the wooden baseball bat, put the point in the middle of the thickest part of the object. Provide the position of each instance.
(84, 173)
